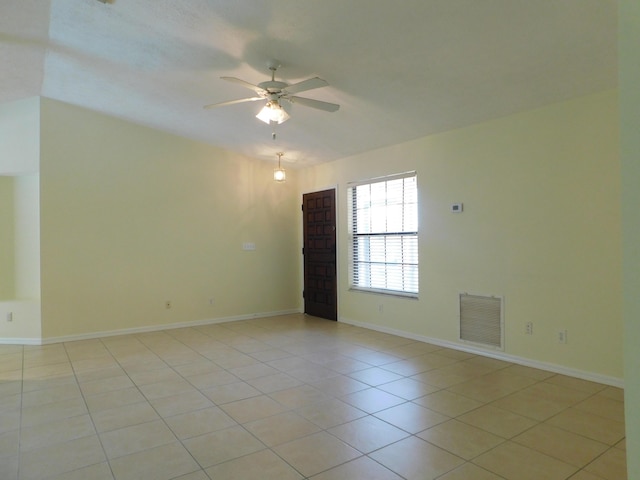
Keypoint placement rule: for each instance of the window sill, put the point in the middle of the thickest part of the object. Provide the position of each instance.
(392, 293)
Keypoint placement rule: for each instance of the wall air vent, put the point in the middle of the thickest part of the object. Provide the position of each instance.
(481, 320)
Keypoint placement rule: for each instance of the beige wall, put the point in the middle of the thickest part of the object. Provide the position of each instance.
(541, 226)
(132, 217)
(19, 138)
(7, 247)
(629, 15)
(27, 237)
(19, 220)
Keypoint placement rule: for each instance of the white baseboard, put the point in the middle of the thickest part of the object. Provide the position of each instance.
(20, 341)
(527, 362)
(145, 329)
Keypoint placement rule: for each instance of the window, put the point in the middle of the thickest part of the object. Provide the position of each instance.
(384, 235)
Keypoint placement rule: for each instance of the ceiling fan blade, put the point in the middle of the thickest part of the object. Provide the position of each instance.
(248, 85)
(308, 102)
(233, 102)
(305, 85)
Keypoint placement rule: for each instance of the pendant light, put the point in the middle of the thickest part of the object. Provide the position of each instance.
(279, 174)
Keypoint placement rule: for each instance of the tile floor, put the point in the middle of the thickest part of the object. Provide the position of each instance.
(296, 397)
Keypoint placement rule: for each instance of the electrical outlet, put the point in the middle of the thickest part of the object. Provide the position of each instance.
(10, 317)
(562, 336)
(167, 304)
(211, 301)
(380, 308)
(529, 328)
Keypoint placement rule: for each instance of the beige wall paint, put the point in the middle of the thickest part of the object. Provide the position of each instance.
(19, 136)
(541, 226)
(19, 239)
(27, 237)
(629, 15)
(132, 217)
(7, 247)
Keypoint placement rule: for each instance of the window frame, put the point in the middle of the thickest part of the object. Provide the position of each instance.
(354, 235)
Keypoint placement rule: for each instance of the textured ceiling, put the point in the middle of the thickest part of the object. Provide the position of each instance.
(399, 69)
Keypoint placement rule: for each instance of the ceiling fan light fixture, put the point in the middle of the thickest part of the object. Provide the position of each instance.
(273, 112)
(279, 174)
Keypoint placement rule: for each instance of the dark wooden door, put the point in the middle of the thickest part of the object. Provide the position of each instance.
(319, 232)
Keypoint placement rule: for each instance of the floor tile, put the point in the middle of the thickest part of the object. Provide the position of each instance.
(274, 383)
(408, 388)
(413, 458)
(197, 475)
(461, 439)
(497, 421)
(212, 379)
(103, 385)
(9, 467)
(591, 426)
(368, 433)
(584, 475)
(611, 465)
(329, 413)
(222, 445)
(339, 386)
(603, 407)
(448, 403)
(231, 392)
(58, 458)
(50, 395)
(184, 402)
(50, 412)
(264, 465)
(9, 443)
(515, 462)
(281, 428)
(199, 422)
(576, 383)
(115, 418)
(165, 388)
(375, 376)
(136, 438)
(301, 396)
(118, 398)
(530, 404)
(561, 444)
(491, 386)
(98, 471)
(59, 431)
(156, 375)
(316, 453)
(253, 371)
(372, 400)
(243, 411)
(411, 417)
(161, 463)
(361, 468)
(469, 471)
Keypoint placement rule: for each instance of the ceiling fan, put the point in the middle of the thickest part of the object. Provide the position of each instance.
(274, 92)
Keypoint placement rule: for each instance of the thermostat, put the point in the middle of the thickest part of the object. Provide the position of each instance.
(456, 208)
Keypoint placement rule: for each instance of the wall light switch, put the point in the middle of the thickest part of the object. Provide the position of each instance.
(456, 208)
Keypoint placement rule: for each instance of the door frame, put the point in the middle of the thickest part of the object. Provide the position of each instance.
(336, 192)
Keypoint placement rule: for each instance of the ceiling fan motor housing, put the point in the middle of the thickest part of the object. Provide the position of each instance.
(273, 86)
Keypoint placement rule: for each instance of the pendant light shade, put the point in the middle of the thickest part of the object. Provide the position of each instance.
(279, 174)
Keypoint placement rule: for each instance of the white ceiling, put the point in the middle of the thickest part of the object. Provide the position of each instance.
(399, 69)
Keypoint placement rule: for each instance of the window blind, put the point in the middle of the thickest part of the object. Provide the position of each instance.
(384, 234)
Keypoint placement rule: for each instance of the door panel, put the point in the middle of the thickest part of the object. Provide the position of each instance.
(319, 232)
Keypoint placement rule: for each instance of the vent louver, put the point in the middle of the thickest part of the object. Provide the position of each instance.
(481, 320)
